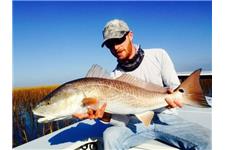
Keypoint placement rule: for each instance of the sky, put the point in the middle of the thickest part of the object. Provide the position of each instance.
(55, 42)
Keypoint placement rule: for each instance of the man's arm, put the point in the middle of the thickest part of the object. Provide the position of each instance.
(170, 79)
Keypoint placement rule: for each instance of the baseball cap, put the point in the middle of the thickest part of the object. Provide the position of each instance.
(114, 29)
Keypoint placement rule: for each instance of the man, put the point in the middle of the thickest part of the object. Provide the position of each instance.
(153, 65)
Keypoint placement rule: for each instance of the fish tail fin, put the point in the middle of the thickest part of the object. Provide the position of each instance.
(192, 91)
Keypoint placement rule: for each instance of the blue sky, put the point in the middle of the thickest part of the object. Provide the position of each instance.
(54, 42)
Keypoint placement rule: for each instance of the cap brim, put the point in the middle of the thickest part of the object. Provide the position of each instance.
(103, 44)
(117, 37)
(107, 40)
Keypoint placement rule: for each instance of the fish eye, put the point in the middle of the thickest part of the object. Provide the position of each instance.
(48, 103)
(181, 90)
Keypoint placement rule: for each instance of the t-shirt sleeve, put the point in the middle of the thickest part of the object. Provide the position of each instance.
(168, 72)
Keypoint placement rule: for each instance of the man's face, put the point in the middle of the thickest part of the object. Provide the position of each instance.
(121, 48)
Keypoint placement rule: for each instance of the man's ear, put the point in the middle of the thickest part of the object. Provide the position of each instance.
(130, 35)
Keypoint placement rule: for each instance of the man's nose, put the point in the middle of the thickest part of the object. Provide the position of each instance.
(117, 46)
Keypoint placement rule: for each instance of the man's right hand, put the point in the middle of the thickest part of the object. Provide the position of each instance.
(94, 114)
(173, 103)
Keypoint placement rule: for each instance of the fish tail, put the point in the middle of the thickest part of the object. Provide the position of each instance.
(192, 91)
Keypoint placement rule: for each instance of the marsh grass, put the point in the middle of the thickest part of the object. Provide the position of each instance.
(25, 126)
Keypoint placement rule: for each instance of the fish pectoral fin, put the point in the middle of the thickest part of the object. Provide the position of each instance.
(145, 117)
(89, 101)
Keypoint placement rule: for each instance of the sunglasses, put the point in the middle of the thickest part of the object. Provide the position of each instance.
(112, 42)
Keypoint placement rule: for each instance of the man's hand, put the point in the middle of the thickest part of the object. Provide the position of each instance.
(172, 103)
(95, 114)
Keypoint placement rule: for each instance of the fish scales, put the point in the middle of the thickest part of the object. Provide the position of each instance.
(106, 89)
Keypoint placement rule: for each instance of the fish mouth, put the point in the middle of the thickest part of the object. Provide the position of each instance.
(37, 113)
(49, 118)
(40, 117)
(43, 120)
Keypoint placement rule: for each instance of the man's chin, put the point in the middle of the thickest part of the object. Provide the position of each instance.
(121, 57)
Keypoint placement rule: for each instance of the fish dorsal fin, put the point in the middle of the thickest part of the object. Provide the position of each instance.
(145, 117)
(97, 71)
(142, 84)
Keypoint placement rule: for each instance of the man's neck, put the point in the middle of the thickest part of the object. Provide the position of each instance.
(133, 52)
(134, 62)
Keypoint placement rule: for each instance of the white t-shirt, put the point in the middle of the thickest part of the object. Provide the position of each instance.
(156, 67)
